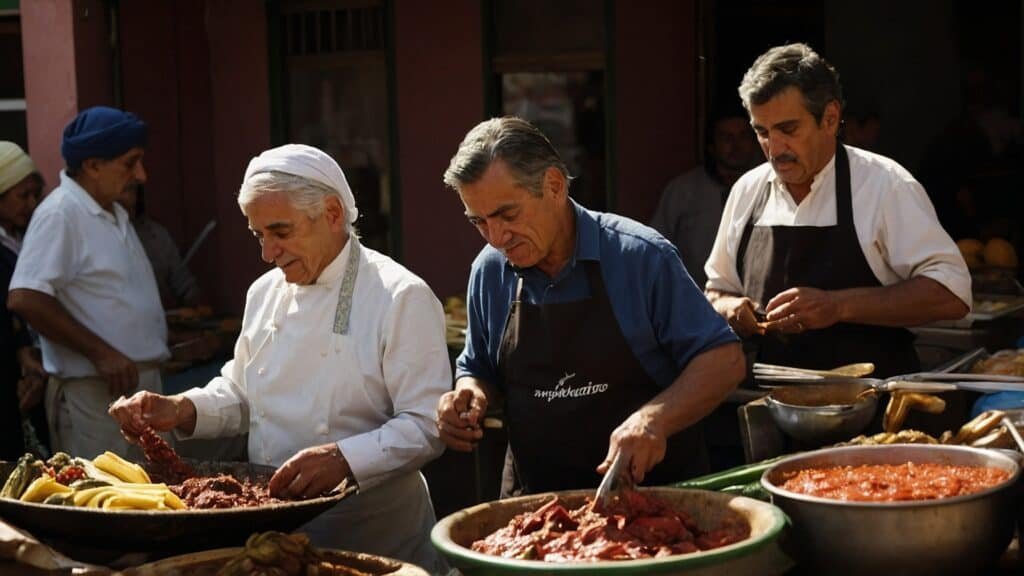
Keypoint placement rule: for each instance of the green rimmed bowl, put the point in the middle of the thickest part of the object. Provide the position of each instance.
(759, 554)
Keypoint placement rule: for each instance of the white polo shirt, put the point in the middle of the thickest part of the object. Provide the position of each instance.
(92, 262)
(896, 224)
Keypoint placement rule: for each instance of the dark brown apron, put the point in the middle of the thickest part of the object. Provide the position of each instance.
(570, 378)
(775, 258)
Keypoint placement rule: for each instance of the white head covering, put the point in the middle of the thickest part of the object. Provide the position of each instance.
(308, 162)
(15, 165)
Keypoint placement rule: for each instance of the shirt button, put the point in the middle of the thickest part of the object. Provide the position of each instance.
(267, 459)
(261, 371)
(322, 429)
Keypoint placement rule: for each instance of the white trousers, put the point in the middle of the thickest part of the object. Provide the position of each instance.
(392, 519)
(77, 412)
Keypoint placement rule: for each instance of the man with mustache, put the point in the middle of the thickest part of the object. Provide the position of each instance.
(838, 247)
(584, 326)
(83, 282)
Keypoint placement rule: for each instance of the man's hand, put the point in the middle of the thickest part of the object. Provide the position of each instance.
(33, 378)
(310, 473)
(642, 443)
(738, 311)
(460, 415)
(30, 392)
(802, 308)
(117, 369)
(162, 413)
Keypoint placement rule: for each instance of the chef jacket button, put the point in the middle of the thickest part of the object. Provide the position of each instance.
(322, 429)
(261, 371)
(263, 414)
(323, 354)
(267, 459)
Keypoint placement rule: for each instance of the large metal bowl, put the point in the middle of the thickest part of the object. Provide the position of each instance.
(95, 535)
(820, 414)
(960, 535)
(757, 555)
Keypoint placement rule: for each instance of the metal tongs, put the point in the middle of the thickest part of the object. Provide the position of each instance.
(929, 382)
(615, 477)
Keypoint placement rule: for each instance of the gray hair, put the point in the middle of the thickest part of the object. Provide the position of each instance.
(305, 195)
(792, 65)
(525, 149)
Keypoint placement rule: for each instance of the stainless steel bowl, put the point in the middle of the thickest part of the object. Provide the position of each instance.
(820, 414)
(960, 535)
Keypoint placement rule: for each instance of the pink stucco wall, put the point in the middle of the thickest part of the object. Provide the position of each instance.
(655, 100)
(196, 71)
(67, 59)
(439, 88)
(240, 111)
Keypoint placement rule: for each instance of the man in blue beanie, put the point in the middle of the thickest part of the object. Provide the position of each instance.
(84, 283)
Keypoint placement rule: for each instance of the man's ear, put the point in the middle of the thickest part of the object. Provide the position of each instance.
(90, 167)
(555, 182)
(830, 117)
(334, 211)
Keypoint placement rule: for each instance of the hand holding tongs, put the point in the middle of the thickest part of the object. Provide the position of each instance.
(617, 476)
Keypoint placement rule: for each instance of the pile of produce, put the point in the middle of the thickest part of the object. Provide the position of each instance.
(108, 482)
(278, 554)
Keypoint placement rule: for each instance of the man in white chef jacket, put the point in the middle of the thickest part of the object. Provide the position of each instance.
(336, 373)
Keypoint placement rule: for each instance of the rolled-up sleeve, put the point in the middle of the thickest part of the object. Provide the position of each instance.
(914, 243)
(416, 373)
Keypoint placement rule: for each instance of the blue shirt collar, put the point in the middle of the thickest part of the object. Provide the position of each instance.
(588, 242)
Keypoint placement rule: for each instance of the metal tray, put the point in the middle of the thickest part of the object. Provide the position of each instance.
(71, 529)
(986, 307)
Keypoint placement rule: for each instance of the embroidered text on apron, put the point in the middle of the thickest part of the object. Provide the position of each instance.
(570, 378)
(772, 259)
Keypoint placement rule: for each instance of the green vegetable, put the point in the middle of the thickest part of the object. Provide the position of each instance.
(27, 470)
(738, 476)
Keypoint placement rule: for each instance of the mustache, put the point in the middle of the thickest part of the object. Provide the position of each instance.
(783, 158)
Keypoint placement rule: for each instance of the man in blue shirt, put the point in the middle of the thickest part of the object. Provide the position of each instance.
(584, 326)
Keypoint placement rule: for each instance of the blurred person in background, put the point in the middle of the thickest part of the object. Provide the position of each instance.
(691, 205)
(22, 377)
(84, 284)
(174, 280)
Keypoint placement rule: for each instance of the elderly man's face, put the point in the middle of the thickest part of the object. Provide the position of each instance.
(522, 226)
(297, 244)
(113, 176)
(18, 203)
(797, 145)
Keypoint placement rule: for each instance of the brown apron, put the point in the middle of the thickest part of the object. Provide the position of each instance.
(570, 378)
(772, 259)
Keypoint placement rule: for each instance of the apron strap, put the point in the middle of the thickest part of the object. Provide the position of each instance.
(348, 286)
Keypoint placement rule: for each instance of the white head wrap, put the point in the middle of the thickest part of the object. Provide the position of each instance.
(308, 162)
(15, 165)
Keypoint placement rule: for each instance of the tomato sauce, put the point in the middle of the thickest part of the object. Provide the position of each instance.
(894, 482)
(635, 526)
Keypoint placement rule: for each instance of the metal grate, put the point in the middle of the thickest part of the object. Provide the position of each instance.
(328, 31)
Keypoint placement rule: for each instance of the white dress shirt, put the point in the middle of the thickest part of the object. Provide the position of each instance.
(293, 383)
(895, 221)
(92, 262)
